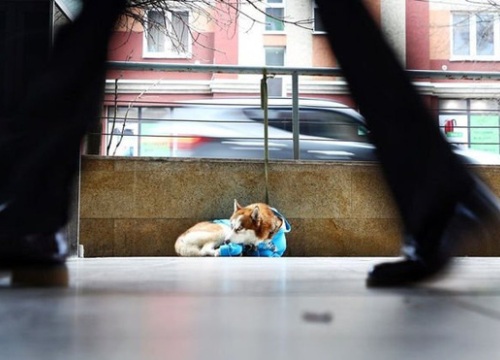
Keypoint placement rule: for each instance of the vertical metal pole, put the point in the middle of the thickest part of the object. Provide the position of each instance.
(264, 96)
(295, 115)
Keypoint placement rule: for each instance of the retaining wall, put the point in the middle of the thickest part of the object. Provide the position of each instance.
(138, 206)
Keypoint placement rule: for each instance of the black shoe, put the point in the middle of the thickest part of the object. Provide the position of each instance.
(33, 249)
(477, 213)
(35, 259)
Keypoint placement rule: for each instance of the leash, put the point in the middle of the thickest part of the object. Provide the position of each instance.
(265, 106)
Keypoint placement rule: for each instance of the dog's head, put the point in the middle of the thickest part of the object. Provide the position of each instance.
(252, 224)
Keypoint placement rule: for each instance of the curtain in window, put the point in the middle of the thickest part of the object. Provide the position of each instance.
(180, 31)
(461, 34)
(155, 37)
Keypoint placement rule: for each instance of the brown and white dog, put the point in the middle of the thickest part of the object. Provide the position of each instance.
(249, 225)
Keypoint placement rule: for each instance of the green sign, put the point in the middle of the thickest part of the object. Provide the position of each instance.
(485, 133)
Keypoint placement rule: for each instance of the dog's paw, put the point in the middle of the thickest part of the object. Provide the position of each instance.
(250, 247)
(217, 253)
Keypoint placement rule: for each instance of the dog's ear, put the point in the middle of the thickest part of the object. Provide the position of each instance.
(237, 206)
(255, 214)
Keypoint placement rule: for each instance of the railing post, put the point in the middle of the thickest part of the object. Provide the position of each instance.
(264, 103)
(295, 115)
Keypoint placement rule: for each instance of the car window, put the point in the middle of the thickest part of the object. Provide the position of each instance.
(315, 122)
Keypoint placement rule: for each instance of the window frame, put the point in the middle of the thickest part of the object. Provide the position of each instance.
(472, 17)
(170, 52)
(277, 82)
(314, 8)
(469, 125)
(275, 5)
(282, 50)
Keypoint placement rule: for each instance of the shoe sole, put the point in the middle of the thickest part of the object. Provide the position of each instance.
(38, 276)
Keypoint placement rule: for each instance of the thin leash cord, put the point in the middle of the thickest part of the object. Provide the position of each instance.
(264, 105)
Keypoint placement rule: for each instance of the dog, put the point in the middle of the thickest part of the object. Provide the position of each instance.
(249, 226)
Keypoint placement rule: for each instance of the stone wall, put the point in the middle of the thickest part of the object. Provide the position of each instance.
(138, 206)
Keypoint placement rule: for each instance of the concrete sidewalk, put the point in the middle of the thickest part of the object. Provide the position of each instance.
(251, 308)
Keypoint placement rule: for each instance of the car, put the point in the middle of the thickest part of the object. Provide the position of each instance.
(235, 129)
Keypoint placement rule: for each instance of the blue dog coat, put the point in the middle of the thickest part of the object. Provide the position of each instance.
(275, 248)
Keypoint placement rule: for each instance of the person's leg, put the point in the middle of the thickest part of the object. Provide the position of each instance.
(430, 185)
(39, 148)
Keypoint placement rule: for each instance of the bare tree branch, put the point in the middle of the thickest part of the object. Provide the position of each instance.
(222, 13)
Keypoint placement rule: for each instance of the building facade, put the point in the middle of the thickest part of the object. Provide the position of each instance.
(427, 35)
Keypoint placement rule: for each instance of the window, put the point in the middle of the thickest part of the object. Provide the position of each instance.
(275, 56)
(317, 24)
(122, 130)
(471, 123)
(167, 34)
(315, 122)
(275, 13)
(475, 36)
(140, 131)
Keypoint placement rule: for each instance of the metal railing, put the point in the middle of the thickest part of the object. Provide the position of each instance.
(283, 70)
(294, 73)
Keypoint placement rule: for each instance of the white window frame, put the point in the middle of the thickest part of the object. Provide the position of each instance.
(170, 52)
(278, 5)
(281, 48)
(463, 113)
(278, 80)
(473, 37)
(313, 17)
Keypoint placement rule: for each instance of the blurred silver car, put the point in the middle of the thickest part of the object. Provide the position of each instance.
(234, 129)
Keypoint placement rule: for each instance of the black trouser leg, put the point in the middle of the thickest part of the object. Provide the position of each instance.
(426, 178)
(40, 147)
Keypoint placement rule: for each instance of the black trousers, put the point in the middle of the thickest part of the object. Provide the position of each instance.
(40, 146)
(423, 173)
